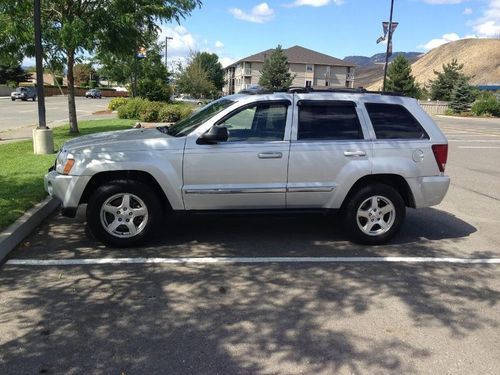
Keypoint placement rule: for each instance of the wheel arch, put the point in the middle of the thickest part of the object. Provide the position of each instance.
(103, 177)
(398, 182)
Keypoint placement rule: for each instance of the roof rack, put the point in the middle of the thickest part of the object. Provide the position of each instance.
(359, 90)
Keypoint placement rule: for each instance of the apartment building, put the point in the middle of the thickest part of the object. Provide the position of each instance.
(310, 68)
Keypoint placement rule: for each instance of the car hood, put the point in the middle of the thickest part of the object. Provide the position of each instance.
(124, 140)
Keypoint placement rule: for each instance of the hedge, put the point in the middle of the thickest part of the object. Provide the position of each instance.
(148, 111)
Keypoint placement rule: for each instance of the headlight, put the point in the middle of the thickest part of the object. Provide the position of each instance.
(64, 162)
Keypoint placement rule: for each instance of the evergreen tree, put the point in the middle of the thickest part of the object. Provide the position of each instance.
(442, 87)
(275, 74)
(400, 79)
(462, 96)
(13, 74)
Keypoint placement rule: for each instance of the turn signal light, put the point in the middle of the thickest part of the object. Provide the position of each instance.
(67, 167)
(441, 155)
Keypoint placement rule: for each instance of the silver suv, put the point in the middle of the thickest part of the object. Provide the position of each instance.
(365, 155)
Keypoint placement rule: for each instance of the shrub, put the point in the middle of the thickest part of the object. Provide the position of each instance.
(149, 112)
(115, 103)
(154, 90)
(131, 109)
(487, 106)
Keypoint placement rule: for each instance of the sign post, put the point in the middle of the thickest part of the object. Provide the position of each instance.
(389, 46)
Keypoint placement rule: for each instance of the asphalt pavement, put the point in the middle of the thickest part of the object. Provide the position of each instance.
(18, 118)
(312, 303)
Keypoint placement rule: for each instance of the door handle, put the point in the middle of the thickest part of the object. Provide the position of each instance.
(354, 153)
(270, 155)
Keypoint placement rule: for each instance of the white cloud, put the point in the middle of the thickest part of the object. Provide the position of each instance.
(226, 60)
(467, 11)
(489, 24)
(433, 43)
(444, 1)
(314, 3)
(182, 44)
(219, 44)
(261, 13)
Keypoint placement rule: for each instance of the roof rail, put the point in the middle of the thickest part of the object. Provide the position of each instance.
(359, 90)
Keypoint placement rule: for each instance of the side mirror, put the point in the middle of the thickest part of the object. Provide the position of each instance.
(215, 135)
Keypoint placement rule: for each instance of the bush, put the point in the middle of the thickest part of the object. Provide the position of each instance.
(148, 111)
(115, 103)
(132, 108)
(487, 106)
(154, 90)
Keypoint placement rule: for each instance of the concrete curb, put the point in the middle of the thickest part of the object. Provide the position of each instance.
(22, 227)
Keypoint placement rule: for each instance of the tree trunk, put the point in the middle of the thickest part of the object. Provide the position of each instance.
(73, 123)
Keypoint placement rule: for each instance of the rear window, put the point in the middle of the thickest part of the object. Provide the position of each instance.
(328, 120)
(393, 121)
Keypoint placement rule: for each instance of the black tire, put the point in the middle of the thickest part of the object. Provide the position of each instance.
(13, 99)
(96, 222)
(387, 194)
(34, 99)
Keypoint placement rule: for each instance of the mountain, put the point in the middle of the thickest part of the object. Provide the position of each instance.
(379, 58)
(370, 69)
(481, 59)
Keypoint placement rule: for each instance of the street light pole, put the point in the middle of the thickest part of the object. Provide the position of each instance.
(389, 42)
(42, 124)
(167, 38)
(43, 142)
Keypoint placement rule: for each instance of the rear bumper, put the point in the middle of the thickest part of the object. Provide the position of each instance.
(429, 191)
(67, 189)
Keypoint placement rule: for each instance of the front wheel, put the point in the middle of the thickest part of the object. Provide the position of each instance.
(374, 214)
(123, 213)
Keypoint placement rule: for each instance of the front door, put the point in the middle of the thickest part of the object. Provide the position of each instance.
(249, 170)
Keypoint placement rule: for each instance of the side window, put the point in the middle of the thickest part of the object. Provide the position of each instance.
(328, 121)
(393, 121)
(261, 122)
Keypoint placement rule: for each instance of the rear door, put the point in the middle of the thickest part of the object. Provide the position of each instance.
(330, 149)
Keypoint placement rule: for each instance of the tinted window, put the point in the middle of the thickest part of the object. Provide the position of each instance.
(328, 121)
(260, 122)
(393, 121)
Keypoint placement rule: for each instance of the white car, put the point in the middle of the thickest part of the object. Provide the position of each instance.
(189, 99)
(365, 155)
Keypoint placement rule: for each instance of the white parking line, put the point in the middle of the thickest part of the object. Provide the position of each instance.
(245, 260)
(475, 140)
(482, 147)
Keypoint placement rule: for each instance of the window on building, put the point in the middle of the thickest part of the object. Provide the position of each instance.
(328, 120)
(308, 83)
(393, 121)
(327, 83)
(309, 68)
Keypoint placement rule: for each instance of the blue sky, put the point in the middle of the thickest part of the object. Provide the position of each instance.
(235, 29)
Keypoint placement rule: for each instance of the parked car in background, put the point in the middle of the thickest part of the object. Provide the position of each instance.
(94, 94)
(190, 99)
(367, 156)
(23, 93)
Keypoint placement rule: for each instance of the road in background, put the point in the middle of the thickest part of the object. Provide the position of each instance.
(271, 318)
(20, 114)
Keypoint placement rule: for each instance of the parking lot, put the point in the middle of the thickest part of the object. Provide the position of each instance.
(19, 118)
(270, 294)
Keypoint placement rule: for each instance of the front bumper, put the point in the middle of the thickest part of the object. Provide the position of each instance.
(67, 189)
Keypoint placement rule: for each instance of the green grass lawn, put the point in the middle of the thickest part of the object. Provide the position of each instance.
(21, 172)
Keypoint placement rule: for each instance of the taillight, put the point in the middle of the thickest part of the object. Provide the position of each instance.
(441, 155)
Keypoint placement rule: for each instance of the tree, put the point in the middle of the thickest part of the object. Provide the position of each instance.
(400, 79)
(84, 73)
(75, 27)
(462, 96)
(210, 63)
(13, 74)
(194, 80)
(275, 73)
(442, 87)
(152, 77)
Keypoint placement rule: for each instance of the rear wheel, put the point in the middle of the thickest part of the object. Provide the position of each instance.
(13, 99)
(123, 213)
(374, 214)
(34, 99)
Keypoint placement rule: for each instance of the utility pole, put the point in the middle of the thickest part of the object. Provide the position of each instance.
(389, 45)
(167, 38)
(43, 142)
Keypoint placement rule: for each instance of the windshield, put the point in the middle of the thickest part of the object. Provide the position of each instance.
(21, 89)
(186, 126)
